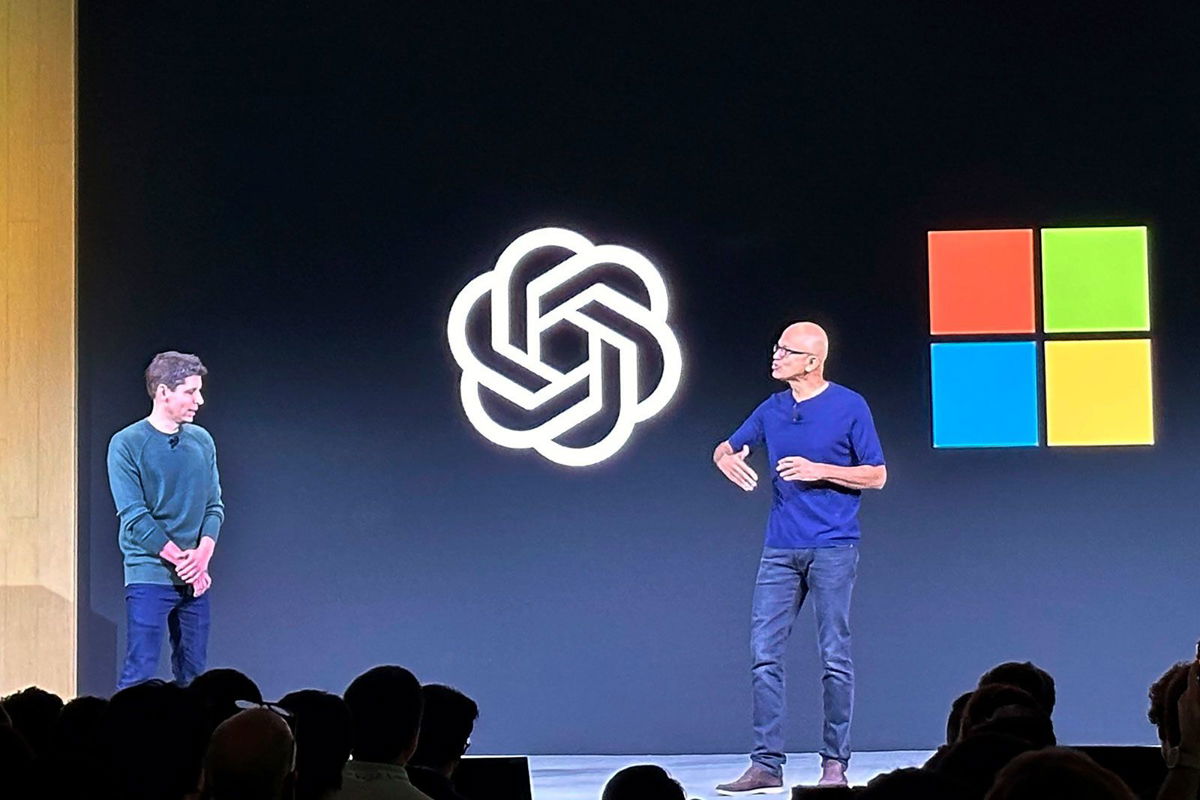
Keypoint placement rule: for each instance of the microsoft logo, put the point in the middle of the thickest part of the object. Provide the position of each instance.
(988, 356)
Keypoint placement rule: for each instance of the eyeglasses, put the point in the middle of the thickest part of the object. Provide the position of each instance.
(247, 705)
(778, 348)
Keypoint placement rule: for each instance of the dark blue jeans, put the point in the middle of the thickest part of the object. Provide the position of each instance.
(785, 579)
(150, 608)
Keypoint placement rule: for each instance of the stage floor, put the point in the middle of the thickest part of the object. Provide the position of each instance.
(583, 777)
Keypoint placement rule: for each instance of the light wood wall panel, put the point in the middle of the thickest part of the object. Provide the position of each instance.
(38, 483)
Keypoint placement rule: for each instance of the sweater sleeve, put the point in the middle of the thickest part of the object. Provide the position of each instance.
(214, 507)
(124, 479)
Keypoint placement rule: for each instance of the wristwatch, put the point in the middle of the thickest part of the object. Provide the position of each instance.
(1179, 758)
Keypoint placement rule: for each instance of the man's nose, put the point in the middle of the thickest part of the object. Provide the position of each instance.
(199, 399)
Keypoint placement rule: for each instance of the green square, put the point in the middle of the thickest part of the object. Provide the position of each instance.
(1095, 279)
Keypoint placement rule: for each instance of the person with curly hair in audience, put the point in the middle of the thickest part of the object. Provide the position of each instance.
(1175, 711)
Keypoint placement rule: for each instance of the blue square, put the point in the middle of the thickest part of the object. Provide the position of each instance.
(984, 394)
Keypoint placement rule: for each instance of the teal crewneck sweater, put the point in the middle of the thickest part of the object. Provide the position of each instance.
(165, 487)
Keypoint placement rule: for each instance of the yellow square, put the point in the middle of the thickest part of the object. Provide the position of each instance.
(1098, 392)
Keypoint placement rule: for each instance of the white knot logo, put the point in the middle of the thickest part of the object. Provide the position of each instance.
(496, 285)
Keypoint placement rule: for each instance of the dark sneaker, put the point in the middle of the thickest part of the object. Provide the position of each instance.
(755, 780)
(833, 773)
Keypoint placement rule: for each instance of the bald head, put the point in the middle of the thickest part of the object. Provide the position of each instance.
(251, 756)
(808, 337)
(799, 356)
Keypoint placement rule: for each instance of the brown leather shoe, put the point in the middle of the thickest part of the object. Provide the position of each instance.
(833, 773)
(755, 780)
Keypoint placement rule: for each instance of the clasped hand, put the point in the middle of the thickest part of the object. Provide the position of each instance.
(190, 565)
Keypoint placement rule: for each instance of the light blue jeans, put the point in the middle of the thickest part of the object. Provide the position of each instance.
(785, 578)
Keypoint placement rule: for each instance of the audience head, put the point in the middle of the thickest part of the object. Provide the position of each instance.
(446, 724)
(385, 707)
(217, 692)
(77, 751)
(974, 761)
(165, 722)
(78, 732)
(1030, 726)
(34, 713)
(642, 782)
(1024, 675)
(252, 756)
(324, 736)
(904, 784)
(954, 722)
(996, 700)
(1055, 773)
(1164, 703)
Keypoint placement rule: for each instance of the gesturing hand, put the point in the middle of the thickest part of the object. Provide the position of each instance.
(734, 466)
(797, 468)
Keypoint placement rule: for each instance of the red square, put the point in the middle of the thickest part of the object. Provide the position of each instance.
(981, 281)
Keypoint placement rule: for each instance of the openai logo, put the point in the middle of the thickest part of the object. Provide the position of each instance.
(602, 315)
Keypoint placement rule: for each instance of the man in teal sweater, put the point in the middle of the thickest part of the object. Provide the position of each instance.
(163, 475)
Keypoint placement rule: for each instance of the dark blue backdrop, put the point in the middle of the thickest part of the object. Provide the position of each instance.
(297, 195)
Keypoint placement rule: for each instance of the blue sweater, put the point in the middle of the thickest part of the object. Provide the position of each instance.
(165, 487)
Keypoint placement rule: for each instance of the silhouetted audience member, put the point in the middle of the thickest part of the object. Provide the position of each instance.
(324, 735)
(973, 762)
(1175, 711)
(446, 724)
(1031, 724)
(79, 725)
(996, 700)
(642, 782)
(1164, 700)
(16, 764)
(217, 692)
(154, 742)
(385, 708)
(252, 756)
(34, 713)
(76, 754)
(1057, 773)
(953, 729)
(1024, 675)
(954, 721)
(905, 784)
